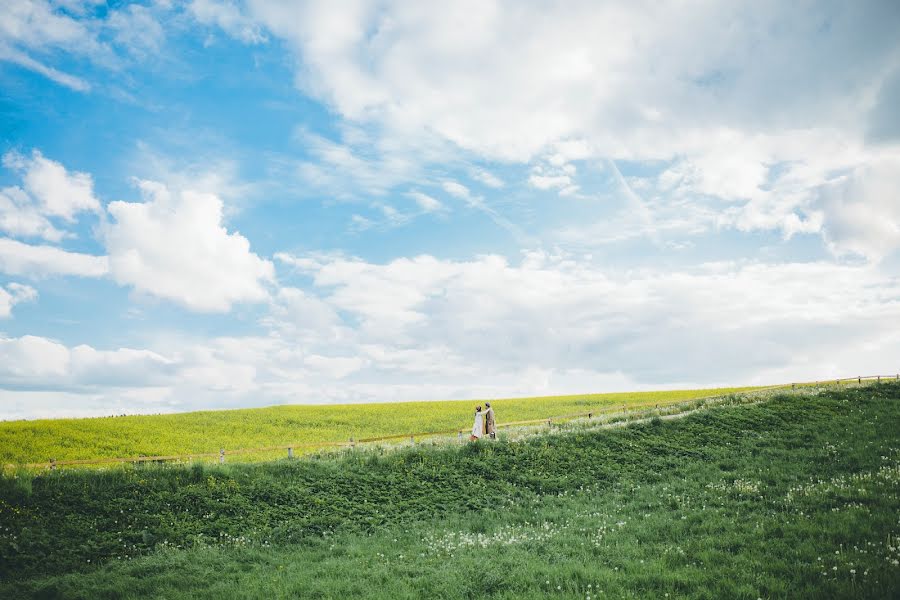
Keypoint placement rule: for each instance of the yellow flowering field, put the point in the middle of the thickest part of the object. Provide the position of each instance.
(23, 442)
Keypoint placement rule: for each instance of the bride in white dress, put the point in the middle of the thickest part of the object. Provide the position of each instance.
(478, 426)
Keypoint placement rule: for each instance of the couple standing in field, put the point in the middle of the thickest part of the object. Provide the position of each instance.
(484, 423)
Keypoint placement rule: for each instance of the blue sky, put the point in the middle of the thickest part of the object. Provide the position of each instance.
(218, 204)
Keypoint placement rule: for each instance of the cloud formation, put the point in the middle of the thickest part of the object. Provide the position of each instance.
(175, 246)
(704, 86)
(425, 328)
(17, 258)
(13, 294)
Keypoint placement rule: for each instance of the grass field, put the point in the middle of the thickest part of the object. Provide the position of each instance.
(23, 442)
(795, 497)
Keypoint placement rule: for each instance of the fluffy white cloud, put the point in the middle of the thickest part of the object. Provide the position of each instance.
(556, 174)
(509, 79)
(31, 357)
(175, 246)
(56, 191)
(32, 362)
(17, 258)
(14, 293)
(558, 313)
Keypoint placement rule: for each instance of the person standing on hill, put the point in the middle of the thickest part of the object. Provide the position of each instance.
(490, 425)
(478, 426)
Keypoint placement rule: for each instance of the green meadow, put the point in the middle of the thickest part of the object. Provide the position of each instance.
(39, 441)
(796, 496)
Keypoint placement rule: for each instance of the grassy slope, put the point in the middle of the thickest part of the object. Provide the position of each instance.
(795, 498)
(203, 432)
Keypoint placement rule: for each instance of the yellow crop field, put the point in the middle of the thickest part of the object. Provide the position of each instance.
(23, 442)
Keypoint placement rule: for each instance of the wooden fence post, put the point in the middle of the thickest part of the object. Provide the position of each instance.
(52, 464)
(290, 452)
(412, 440)
(859, 380)
(221, 456)
(352, 443)
(549, 423)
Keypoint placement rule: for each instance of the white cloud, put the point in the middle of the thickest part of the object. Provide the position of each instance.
(862, 210)
(227, 16)
(360, 223)
(32, 362)
(137, 29)
(31, 357)
(554, 172)
(335, 367)
(57, 192)
(303, 315)
(174, 246)
(23, 60)
(488, 178)
(15, 293)
(457, 189)
(427, 203)
(361, 163)
(36, 24)
(17, 258)
(559, 313)
(21, 218)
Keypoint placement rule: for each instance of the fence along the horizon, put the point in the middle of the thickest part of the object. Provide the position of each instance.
(351, 443)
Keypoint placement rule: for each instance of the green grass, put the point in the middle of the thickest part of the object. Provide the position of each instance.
(23, 442)
(797, 497)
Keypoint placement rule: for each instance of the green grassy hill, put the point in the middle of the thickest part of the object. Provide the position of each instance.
(794, 497)
(24, 442)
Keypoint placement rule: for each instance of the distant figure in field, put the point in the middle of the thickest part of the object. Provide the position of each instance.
(478, 426)
(490, 425)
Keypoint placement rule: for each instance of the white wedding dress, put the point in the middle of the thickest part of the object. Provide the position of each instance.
(478, 427)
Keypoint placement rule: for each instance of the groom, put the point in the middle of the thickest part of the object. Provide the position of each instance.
(490, 426)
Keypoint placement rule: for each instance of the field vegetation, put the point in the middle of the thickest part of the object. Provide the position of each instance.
(24, 442)
(794, 497)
